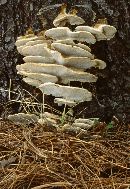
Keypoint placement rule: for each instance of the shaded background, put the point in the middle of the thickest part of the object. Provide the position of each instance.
(112, 90)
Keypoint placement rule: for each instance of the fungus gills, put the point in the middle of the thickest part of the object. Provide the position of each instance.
(63, 60)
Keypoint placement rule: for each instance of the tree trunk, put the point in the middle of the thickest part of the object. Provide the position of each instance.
(111, 92)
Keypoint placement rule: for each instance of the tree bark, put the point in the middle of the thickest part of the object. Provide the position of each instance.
(111, 92)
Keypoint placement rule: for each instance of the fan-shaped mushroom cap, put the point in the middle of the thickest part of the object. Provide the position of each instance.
(20, 48)
(70, 18)
(90, 121)
(65, 74)
(69, 93)
(36, 50)
(85, 47)
(34, 82)
(76, 62)
(84, 126)
(39, 59)
(23, 41)
(70, 50)
(62, 33)
(107, 30)
(71, 42)
(23, 119)
(66, 41)
(58, 33)
(61, 101)
(99, 63)
(40, 76)
(31, 43)
(96, 32)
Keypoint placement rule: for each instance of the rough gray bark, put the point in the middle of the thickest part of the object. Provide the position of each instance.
(111, 92)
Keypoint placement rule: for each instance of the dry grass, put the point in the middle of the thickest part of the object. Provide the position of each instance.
(35, 159)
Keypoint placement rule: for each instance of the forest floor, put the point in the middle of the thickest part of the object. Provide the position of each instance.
(35, 158)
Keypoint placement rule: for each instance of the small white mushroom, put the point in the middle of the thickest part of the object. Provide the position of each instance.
(51, 116)
(20, 48)
(40, 76)
(84, 126)
(59, 33)
(96, 32)
(61, 101)
(23, 41)
(69, 93)
(23, 119)
(39, 59)
(107, 30)
(62, 33)
(34, 82)
(85, 47)
(70, 18)
(71, 42)
(90, 121)
(36, 50)
(66, 41)
(99, 63)
(31, 43)
(70, 50)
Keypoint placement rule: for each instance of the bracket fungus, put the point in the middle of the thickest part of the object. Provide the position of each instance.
(63, 58)
(70, 18)
(67, 92)
(70, 50)
(62, 33)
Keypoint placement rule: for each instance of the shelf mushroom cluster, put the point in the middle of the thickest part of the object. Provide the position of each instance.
(62, 56)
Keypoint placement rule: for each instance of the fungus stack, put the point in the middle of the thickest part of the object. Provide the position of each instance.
(62, 56)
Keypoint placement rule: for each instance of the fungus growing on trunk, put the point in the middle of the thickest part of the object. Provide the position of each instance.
(61, 59)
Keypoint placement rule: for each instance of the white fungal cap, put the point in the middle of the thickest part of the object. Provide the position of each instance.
(100, 31)
(39, 59)
(31, 43)
(69, 93)
(85, 47)
(70, 50)
(66, 41)
(62, 33)
(65, 74)
(107, 30)
(71, 42)
(99, 63)
(34, 82)
(20, 48)
(84, 126)
(23, 119)
(70, 18)
(96, 32)
(36, 50)
(76, 62)
(61, 101)
(23, 41)
(58, 33)
(40, 76)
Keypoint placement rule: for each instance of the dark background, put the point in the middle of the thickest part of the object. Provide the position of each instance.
(112, 90)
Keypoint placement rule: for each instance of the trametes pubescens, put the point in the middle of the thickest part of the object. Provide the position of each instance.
(61, 56)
